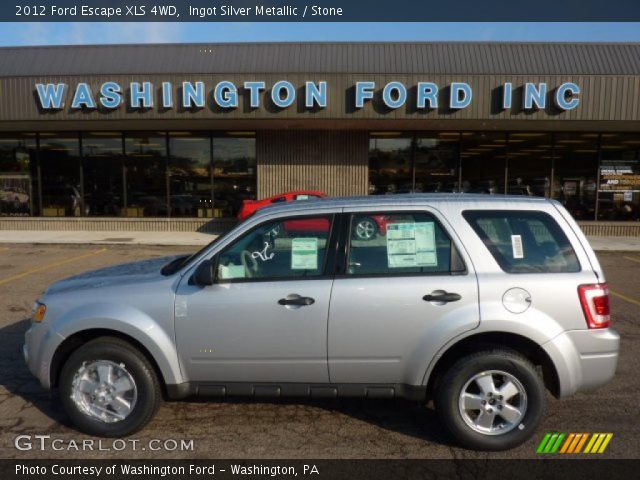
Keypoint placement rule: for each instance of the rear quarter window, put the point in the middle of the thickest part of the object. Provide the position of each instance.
(524, 241)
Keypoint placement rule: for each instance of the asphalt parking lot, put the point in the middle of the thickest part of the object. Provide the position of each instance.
(287, 429)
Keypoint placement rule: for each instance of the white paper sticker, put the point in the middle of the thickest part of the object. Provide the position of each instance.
(304, 254)
(516, 246)
(426, 244)
(231, 271)
(411, 245)
(302, 197)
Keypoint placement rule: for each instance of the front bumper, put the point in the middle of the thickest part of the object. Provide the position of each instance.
(584, 359)
(40, 343)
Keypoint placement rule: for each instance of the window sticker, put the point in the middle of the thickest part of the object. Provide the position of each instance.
(302, 197)
(411, 245)
(304, 254)
(516, 246)
(426, 244)
(226, 272)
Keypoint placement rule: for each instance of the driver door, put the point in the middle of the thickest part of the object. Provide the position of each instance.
(265, 318)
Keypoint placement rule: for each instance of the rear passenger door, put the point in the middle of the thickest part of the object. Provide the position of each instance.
(401, 293)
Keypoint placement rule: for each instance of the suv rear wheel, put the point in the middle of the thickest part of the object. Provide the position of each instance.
(108, 388)
(492, 400)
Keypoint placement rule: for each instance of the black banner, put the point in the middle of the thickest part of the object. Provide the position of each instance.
(319, 469)
(319, 11)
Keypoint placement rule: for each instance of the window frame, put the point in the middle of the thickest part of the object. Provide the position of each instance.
(469, 215)
(329, 261)
(344, 248)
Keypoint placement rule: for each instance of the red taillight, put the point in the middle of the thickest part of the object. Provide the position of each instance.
(595, 304)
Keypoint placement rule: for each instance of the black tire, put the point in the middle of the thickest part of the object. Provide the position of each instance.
(149, 393)
(450, 385)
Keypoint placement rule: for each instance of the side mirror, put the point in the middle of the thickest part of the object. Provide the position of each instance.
(204, 274)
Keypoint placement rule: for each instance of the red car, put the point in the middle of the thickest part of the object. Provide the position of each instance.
(249, 207)
(366, 227)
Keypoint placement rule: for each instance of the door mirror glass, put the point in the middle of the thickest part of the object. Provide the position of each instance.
(204, 274)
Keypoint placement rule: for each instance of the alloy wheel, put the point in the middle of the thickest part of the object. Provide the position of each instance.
(104, 390)
(493, 402)
(366, 229)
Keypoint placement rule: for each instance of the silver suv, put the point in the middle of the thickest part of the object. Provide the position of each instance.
(478, 303)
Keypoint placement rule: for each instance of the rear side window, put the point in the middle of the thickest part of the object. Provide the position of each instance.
(524, 241)
(388, 244)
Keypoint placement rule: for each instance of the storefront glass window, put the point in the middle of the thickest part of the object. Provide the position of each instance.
(190, 174)
(575, 172)
(103, 173)
(437, 159)
(530, 164)
(18, 170)
(60, 173)
(146, 175)
(390, 164)
(234, 172)
(483, 163)
(619, 195)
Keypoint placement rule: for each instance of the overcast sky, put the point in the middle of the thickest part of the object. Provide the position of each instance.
(92, 33)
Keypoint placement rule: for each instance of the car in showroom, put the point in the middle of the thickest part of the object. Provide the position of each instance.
(481, 304)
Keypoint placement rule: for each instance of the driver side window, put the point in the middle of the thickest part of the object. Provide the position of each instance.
(282, 249)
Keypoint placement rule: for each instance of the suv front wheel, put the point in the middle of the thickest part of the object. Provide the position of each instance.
(108, 388)
(492, 400)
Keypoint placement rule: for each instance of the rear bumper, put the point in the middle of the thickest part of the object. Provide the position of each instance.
(584, 359)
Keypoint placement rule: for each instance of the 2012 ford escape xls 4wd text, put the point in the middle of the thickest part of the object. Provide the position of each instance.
(479, 303)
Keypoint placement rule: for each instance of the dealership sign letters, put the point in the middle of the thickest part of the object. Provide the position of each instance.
(283, 94)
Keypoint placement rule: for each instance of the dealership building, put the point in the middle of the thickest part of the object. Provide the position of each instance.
(175, 137)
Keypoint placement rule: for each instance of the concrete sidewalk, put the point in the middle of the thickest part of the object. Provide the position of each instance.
(105, 238)
(198, 239)
(620, 244)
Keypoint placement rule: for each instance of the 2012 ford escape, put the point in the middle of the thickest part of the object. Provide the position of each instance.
(479, 303)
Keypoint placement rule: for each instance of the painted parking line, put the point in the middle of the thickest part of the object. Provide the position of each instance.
(624, 297)
(633, 259)
(50, 266)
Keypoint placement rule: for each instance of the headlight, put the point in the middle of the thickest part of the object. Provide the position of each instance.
(39, 311)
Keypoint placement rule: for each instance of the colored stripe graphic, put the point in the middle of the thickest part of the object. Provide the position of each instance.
(550, 443)
(583, 440)
(592, 440)
(556, 445)
(573, 443)
(543, 443)
(605, 442)
(552, 440)
(598, 442)
(567, 443)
